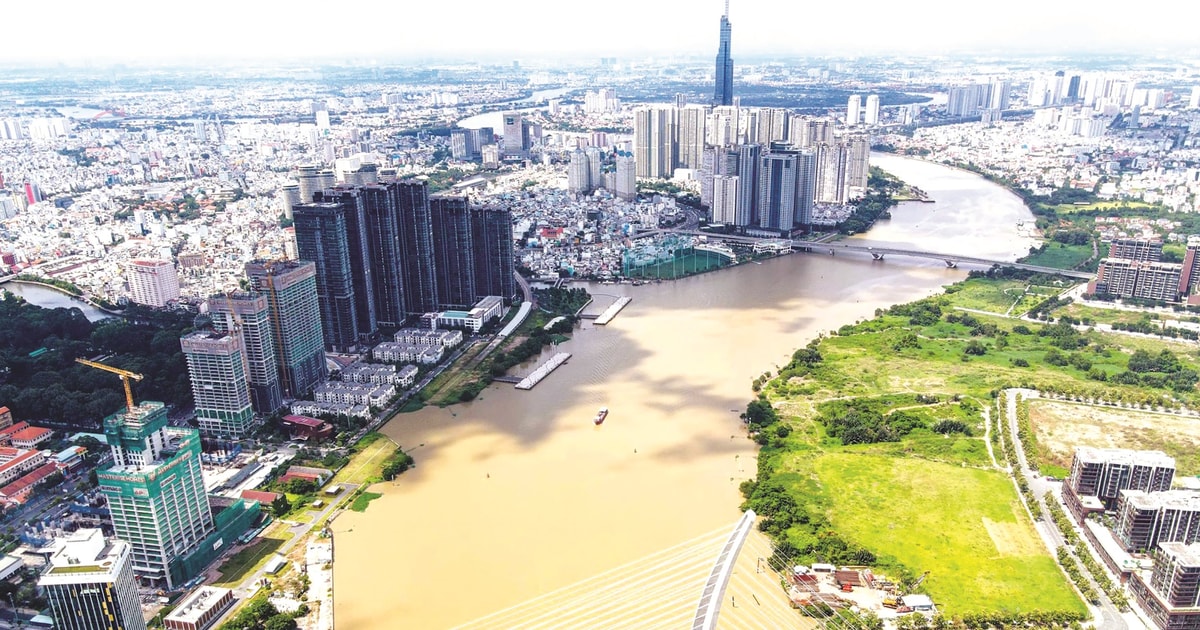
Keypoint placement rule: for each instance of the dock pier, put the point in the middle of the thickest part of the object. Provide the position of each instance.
(543, 370)
(611, 312)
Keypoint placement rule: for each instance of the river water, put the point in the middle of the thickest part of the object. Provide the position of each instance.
(49, 298)
(518, 494)
(495, 120)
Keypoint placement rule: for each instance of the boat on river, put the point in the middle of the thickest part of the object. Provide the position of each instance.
(600, 416)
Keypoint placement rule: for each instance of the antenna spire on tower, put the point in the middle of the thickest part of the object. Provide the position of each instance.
(726, 8)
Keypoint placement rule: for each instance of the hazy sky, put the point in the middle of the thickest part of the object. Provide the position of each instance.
(129, 30)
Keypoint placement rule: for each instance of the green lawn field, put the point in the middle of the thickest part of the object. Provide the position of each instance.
(963, 525)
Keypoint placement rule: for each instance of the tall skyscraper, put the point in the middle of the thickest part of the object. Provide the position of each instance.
(626, 175)
(853, 106)
(579, 175)
(381, 216)
(217, 368)
(724, 205)
(152, 282)
(89, 584)
(871, 113)
(999, 92)
(786, 188)
(749, 165)
(723, 95)
(453, 250)
(248, 315)
(492, 244)
(858, 166)
(691, 136)
(291, 291)
(323, 237)
(516, 136)
(416, 247)
(831, 173)
(655, 141)
(154, 490)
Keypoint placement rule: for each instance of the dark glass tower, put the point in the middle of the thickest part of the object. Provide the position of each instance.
(492, 230)
(453, 251)
(322, 237)
(416, 247)
(724, 91)
(382, 217)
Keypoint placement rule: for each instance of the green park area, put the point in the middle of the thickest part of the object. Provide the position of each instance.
(1006, 297)
(366, 465)
(982, 554)
(874, 449)
(1060, 256)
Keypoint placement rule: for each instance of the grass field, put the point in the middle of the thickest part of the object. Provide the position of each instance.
(1067, 208)
(1061, 426)
(1002, 297)
(245, 562)
(982, 554)
(363, 500)
(366, 465)
(1060, 256)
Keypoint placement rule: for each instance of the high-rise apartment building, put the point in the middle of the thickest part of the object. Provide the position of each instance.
(330, 233)
(492, 255)
(416, 247)
(1098, 475)
(998, 96)
(152, 282)
(749, 167)
(831, 172)
(871, 113)
(625, 186)
(453, 250)
(723, 93)
(313, 179)
(1145, 519)
(220, 387)
(88, 583)
(248, 316)
(853, 107)
(290, 288)
(1136, 249)
(579, 173)
(691, 136)
(382, 217)
(516, 136)
(724, 204)
(858, 165)
(772, 125)
(787, 187)
(154, 490)
(655, 141)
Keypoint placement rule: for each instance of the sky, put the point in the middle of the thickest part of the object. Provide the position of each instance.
(99, 31)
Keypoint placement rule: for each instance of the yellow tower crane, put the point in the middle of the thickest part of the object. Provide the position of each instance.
(125, 376)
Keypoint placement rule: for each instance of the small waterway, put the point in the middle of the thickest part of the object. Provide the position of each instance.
(49, 298)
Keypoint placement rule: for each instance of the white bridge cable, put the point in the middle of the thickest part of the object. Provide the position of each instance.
(732, 617)
(532, 609)
(635, 604)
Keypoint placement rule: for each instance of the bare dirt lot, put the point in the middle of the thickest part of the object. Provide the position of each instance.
(1061, 426)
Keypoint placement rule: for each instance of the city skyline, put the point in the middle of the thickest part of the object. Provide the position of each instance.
(225, 30)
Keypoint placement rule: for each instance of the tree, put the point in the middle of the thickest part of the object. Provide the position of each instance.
(975, 348)
(280, 505)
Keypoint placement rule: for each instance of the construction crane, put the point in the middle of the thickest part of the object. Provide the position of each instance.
(125, 376)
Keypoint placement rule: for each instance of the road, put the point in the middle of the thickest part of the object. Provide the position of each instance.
(1110, 617)
(300, 532)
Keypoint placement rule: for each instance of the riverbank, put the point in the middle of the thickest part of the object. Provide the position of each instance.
(524, 479)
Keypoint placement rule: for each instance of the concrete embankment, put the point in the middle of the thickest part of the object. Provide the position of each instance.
(543, 370)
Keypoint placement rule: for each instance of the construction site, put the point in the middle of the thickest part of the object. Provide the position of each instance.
(821, 590)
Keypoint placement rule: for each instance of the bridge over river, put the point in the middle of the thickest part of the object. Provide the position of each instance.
(878, 253)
